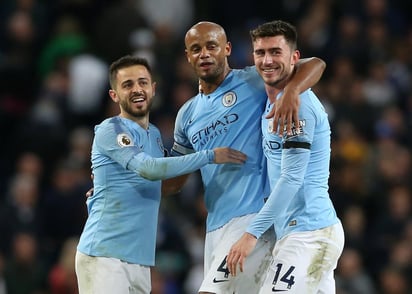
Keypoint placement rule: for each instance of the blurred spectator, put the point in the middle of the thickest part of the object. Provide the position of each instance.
(378, 90)
(389, 226)
(355, 224)
(112, 29)
(393, 280)
(88, 85)
(20, 211)
(165, 22)
(63, 208)
(351, 276)
(62, 276)
(25, 271)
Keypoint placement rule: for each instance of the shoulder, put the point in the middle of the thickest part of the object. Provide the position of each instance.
(250, 77)
(188, 106)
(112, 127)
(246, 72)
(107, 124)
(310, 103)
(153, 128)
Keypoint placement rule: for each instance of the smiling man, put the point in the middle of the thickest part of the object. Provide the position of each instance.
(310, 236)
(117, 246)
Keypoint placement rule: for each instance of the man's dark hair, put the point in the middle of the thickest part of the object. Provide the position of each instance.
(123, 62)
(276, 28)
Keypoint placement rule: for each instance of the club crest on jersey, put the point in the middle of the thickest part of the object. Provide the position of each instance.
(124, 140)
(229, 99)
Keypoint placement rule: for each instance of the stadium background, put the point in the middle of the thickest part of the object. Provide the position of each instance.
(53, 89)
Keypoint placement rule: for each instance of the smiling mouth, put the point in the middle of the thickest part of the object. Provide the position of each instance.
(138, 99)
(270, 70)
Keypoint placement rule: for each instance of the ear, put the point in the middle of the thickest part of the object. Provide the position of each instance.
(187, 55)
(154, 88)
(295, 57)
(228, 48)
(113, 95)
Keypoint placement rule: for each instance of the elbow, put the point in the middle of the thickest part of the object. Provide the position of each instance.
(295, 181)
(321, 64)
(151, 176)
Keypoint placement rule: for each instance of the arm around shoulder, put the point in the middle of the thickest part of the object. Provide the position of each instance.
(308, 72)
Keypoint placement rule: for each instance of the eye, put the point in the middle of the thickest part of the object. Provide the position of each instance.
(195, 50)
(259, 53)
(127, 85)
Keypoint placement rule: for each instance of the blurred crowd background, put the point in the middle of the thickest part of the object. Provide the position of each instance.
(54, 58)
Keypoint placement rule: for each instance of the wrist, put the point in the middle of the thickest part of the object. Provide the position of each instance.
(251, 235)
(292, 89)
(211, 156)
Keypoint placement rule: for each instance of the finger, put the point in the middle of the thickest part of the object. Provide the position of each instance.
(233, 269)
(230, 262)
(289, 124)
(241, 260)
(275, 123)
(282, 126)
(296, 120)
(235, 159)
(237, 152)
(271, 113)
(239, 156)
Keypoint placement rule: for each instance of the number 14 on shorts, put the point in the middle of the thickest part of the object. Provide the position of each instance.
(283, 276)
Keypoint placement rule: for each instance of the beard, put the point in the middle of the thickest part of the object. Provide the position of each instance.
(213, 75)
(281, 80)
(129, 108)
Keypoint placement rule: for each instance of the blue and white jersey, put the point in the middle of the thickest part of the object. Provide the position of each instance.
(128, 163)
(227, 117)
(298, 168)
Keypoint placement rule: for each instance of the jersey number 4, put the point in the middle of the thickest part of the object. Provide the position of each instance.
(223, 267)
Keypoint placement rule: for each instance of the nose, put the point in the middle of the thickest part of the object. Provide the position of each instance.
(204, 52)
(137, 88)
(268, 59)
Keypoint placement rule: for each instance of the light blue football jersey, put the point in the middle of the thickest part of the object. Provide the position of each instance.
(123, 211)
(298, 168)
(230, 116)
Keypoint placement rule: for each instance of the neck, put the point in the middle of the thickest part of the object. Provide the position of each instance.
(209, 87)
(272, 92)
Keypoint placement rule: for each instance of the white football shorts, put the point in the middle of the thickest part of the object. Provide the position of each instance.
(304, 262)
(217, 245)
(99, 275)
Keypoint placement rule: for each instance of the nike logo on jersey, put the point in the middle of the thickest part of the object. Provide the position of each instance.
(219, 281)
(274, 290)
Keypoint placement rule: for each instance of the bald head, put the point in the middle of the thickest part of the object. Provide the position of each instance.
(206, 28)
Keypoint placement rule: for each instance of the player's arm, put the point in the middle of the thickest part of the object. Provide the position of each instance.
(308, 72)
(174, 185)
(168, 167)
(294, 164)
